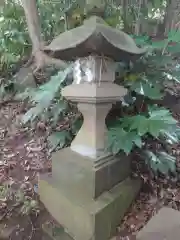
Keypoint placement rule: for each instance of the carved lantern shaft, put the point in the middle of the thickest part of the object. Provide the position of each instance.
(94, 91)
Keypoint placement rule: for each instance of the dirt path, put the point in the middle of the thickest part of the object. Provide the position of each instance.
(23, 155)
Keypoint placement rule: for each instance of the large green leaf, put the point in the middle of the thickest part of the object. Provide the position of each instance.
(45, 94)
(163, 114)
(32, 114)
(57, 110)
(171, 135)
(175, 48)
(120, 140)
(159, 61)
(147, 90)
(76, 125)
(158, 119)
(143, 127)
(158, 44)
(141, 40)
(47, 91)
(157, 4)
(135, 138)
(155, 127)
(161, 162)
(174, 36)
(138, 122)
(173, 75)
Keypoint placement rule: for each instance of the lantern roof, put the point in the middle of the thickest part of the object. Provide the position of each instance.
(94, 37)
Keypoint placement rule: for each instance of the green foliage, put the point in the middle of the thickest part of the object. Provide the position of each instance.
(147, 89)
(171, 135)
(128, 132)
(158, 119)
(56, 17)
(14, 39)
(122, 140)
(149, 75)
(43, 97)
(59, 139)
(161, 161)
(50, 107)
(53, 17)
(146, 80)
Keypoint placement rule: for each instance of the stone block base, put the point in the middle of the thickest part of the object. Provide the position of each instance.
(79, 175)
(88, 219)
(165, 225)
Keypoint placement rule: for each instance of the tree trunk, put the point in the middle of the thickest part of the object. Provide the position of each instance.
(137, 28)
(125, 10)
(33, 22)
(144, 17)
(171, 16)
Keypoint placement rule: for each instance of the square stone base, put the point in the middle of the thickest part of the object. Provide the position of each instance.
(88, 219)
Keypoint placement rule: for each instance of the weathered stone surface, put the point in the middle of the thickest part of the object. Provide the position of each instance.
(81, 175)
(85, 218)
(163, 226)
(94, 100)
(95, 37)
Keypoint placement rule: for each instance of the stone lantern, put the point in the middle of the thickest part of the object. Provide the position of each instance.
(90, 189)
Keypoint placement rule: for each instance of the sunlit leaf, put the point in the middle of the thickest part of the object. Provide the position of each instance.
(155, 127)
(162, 114)
(174, 36)
(32, 114)
(145, 89)
(45, 94)
(120, 140)
(161, 162)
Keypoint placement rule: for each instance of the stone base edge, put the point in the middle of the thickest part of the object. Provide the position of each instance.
(96, 220)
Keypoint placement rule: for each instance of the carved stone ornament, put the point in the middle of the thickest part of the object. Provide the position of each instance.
(94, 37)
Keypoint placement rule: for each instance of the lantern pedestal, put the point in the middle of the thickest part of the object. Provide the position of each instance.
(88, 198)
(90, 189)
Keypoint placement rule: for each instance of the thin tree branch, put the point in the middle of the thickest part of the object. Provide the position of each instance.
(33, 22)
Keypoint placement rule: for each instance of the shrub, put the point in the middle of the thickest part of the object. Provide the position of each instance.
(14, 39)
(147, 80)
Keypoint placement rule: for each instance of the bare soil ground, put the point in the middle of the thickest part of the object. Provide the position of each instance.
(24, 154)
